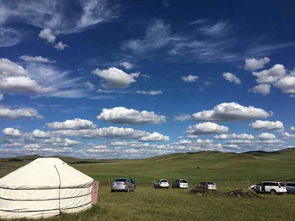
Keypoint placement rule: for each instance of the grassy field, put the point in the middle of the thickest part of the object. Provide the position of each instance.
(229, 171)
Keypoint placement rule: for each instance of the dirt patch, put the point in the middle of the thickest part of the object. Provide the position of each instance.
(243, 194)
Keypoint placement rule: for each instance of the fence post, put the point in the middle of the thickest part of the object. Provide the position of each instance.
(95, 192)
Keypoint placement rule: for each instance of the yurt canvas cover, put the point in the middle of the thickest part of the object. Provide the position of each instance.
(43, 188)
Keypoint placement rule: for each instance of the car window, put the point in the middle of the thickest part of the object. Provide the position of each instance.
(210, 183)
(163, 181)
(183, 181)
(120, 180)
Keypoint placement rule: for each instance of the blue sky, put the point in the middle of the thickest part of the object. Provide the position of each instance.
(113, 79)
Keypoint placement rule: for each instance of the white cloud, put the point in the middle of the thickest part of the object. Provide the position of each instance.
(267, 136)
(9, 68)
(253, 64)
(155, 136)
(231, 112)
(15, 78)
(263, 89)
(6, 112)
(75, 124)
(9, 37)
(271, 142)
(115, 78)
(183, 117)
(286, 84)
(235, 136)
(40, 134)
(57, 14)
(35, 59)
(122, 115)
(157, 35)
(60, 46)
(292, 128)
(244, 142)
(126, 65)
(152, 93)
(48, 35)
(190, 78)
(58, 141)
(11, 132)
(48, 75)
(271, 75)
(207, 128)
(287, 135)
(267, 125)
(105, 132)
(231, 78)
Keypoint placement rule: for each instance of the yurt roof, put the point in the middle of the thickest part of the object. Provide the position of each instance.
(45, 173)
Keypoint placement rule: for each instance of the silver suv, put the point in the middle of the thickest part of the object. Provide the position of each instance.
(123, 184)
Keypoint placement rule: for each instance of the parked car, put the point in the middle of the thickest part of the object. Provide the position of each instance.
(272, 187)
(290, 187)
(161, 183)
(123, 184)
(207, 186)
(180, 183)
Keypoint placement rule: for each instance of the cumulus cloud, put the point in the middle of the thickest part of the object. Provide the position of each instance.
(267, 125)
(75, 124)
(48, 35)
(286, 84)
(60, 46)
(40, 134)
(235, 136)
(115, 78)
(271, 75)
(267, 136)
(122, 115)
(126, 65)
(15, 78)
(155, 136)
(35, 59)
(6, 112)
(263, 89)
(183, 117)
(231, 112)
(206, 128)
(253, 64)
(11, 132)
(152, 93)
(231, 78)
(190, 78)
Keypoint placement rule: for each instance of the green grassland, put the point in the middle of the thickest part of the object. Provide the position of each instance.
(230, 171)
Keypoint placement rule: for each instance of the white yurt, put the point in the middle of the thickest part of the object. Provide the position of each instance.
(43, 188)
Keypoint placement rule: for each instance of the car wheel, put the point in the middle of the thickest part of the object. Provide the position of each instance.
(112, 191)
(273, 192)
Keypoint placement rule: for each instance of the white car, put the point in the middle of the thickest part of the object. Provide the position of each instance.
(180, 183)
(207, 186)
(161, 183)
(272, 187)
